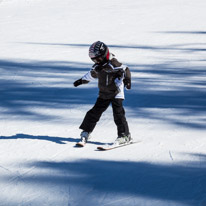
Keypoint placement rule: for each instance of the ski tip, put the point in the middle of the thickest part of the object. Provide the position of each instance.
(101, 148)
(79, 145)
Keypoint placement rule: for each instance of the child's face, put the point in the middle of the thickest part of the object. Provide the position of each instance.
(98, 60)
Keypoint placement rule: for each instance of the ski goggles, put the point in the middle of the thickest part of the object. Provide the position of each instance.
(97, 60)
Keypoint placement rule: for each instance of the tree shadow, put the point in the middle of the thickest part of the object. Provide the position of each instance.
(172, 88)
(176, 48)
(102, 182)
(170, 85)
(44, 85)
(184, 32)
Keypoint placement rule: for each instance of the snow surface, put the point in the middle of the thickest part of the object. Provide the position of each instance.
(44, 48)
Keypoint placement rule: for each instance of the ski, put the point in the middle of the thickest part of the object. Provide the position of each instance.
(110, 147)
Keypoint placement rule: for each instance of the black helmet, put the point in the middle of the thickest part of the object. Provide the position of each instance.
(99, 52)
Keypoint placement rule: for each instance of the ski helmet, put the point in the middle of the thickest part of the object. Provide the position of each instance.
(99, 52)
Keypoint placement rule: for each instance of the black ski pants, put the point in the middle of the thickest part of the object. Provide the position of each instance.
(94, 114)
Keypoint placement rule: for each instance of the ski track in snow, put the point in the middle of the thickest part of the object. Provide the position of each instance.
(44, 49)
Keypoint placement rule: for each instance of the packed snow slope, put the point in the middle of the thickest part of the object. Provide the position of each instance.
(44, 49)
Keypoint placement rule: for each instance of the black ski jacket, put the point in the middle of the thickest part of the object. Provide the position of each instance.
(111, 77)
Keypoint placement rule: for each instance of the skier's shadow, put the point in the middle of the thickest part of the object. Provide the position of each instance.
(58, 140)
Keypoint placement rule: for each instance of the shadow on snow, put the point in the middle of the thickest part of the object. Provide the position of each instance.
(107, 182)
(58, 140)
(27, 85)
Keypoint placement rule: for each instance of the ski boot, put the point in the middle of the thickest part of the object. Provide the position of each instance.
(123, 139)
(85, 136)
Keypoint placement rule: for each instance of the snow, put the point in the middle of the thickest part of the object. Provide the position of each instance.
(44, 49)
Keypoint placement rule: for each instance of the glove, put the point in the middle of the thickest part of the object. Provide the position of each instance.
(78, 82)
(127, 83)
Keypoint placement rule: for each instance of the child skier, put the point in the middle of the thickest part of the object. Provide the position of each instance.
(112, 78)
